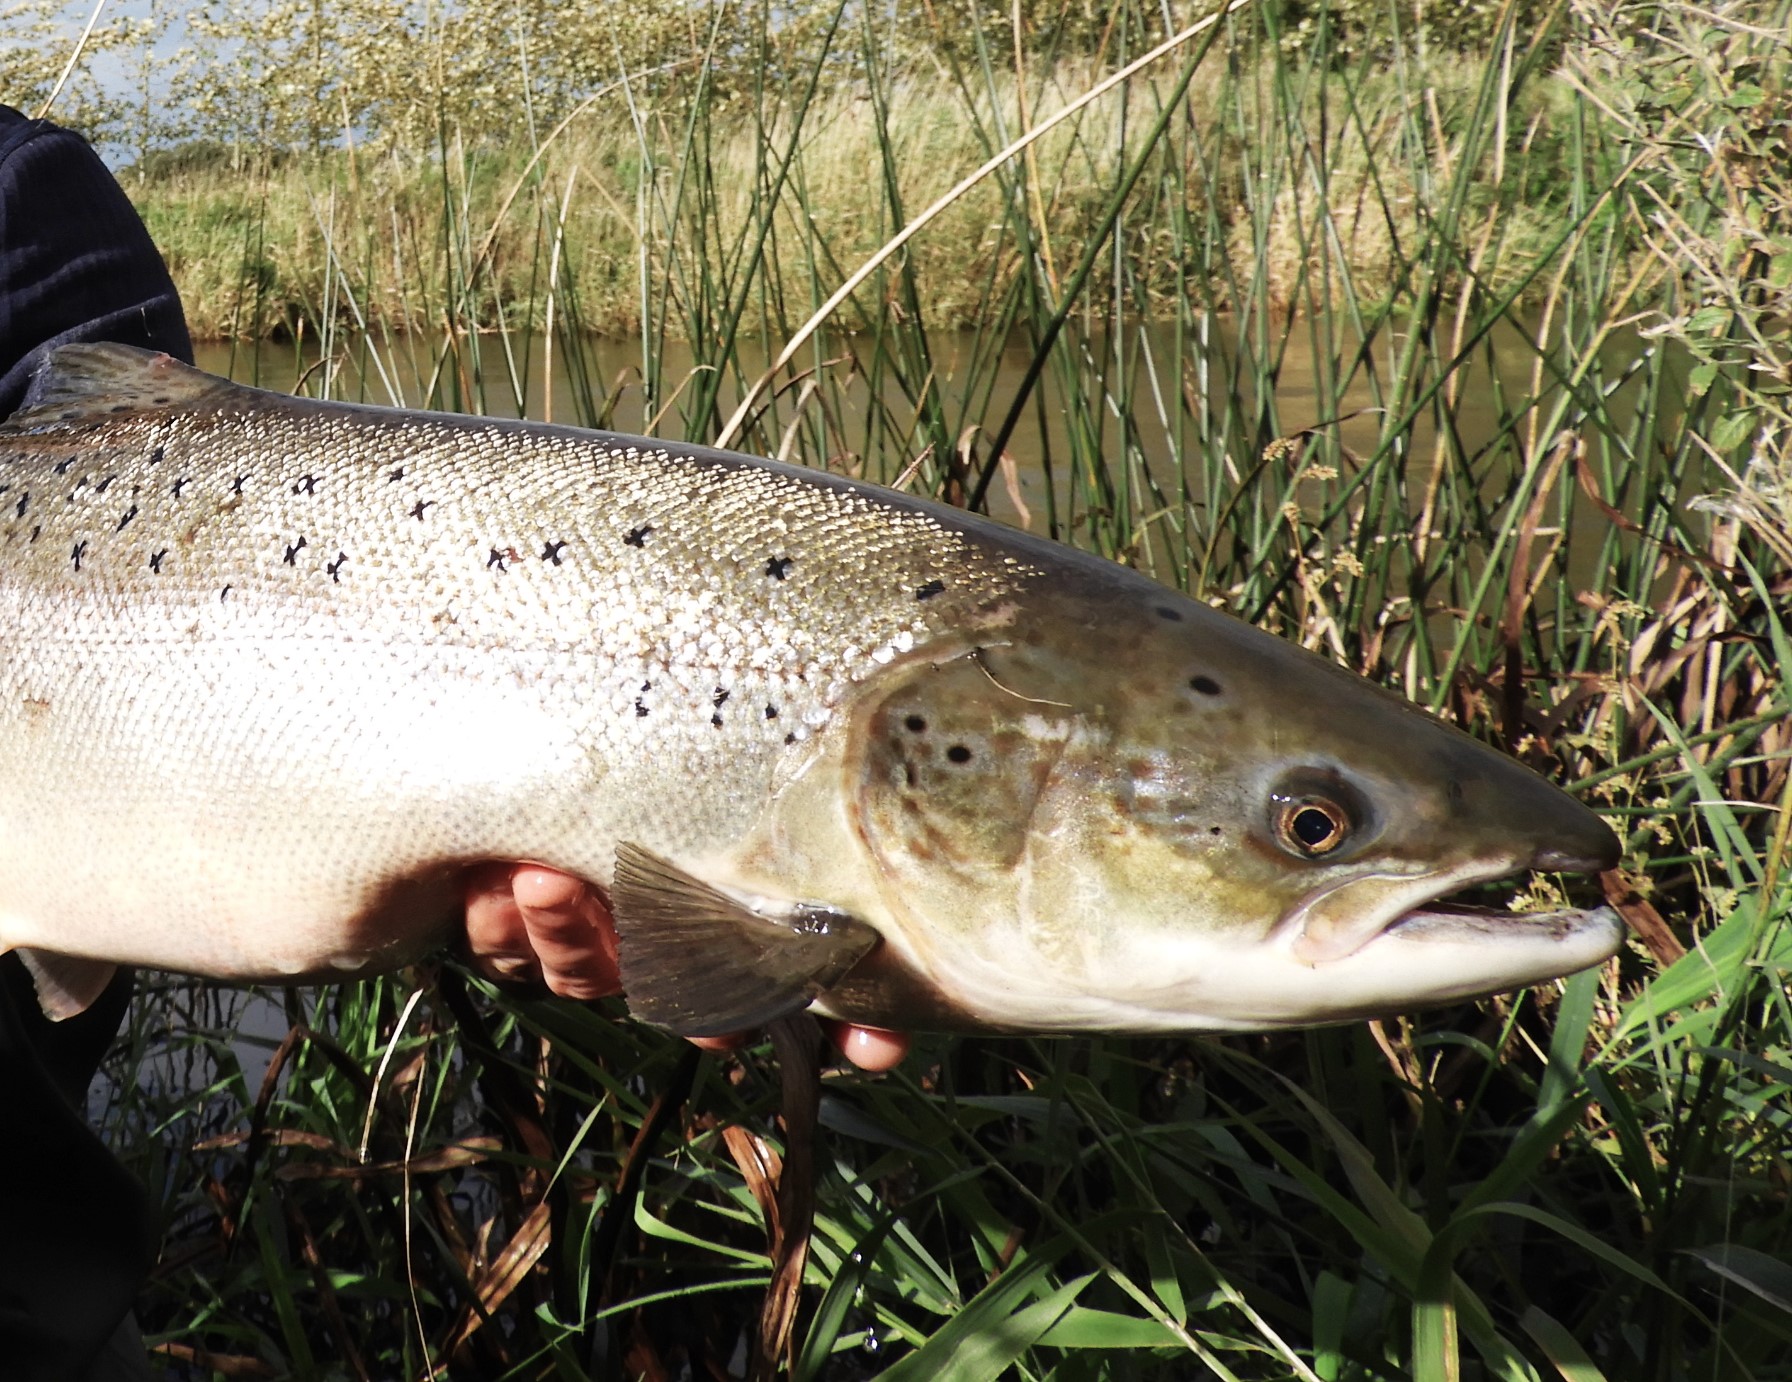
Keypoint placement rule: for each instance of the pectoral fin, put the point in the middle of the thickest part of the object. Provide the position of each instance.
(66, 986)
(701, 963)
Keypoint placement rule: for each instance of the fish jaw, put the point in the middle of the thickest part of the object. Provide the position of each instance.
(1423, 959)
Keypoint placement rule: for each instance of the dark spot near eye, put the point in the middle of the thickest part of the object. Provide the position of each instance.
(1207, 686)
(915, 724)
(79, 552)
(720, 698)
(771, 712)
(305, 484)
(62, 466)
(778, 567)
(129, 514)
(958, 753)
(393, 477)
(155, 457)
(637, 537)
(716, 719)
(928, 591)
(551, 552)
(335, 567)
(1166, 612)
(155, 560)
(422, 504)
(292, 552)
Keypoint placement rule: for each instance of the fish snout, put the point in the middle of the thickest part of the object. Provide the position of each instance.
(1594, 849)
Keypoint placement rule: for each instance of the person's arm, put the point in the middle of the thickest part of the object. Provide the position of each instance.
(76, 263)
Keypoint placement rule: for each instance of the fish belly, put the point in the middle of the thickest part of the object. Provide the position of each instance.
(274, 806)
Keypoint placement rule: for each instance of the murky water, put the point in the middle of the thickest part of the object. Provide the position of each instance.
(1147, 396)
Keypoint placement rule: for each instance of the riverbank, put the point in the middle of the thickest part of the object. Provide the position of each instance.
(676, 218)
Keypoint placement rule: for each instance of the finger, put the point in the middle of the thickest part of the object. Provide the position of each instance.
(570, 931)
(875, 1049)
(496, 937)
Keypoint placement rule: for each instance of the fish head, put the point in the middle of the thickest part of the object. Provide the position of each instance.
(1146, 815)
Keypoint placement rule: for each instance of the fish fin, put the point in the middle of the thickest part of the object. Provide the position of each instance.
(85, 382)
(66, 986)
(701, 963)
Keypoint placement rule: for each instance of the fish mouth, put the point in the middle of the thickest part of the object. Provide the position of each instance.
(1340, 921)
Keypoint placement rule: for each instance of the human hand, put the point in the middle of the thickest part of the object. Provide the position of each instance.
(527, 921)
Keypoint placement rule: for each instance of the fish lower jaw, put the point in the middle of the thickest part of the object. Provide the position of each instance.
(1427, 957)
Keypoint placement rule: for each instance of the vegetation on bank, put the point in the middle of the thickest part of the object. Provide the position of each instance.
(1586, 1181)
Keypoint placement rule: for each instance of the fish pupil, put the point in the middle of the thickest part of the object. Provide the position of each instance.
(1313, 828)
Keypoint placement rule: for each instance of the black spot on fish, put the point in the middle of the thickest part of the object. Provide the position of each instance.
(292, 552)
(237, 488)
(771, 712)
(778, 567)
(335, 567)
(1206, 685)
(640, 709)
(647, 686)
(222, 593)
(1214, 830)
(155, 560)
(1170, 613)
(24, 499)
(637, 537)
(161, 400)
(551, 551)
(120, 408)
(129, 514)
(790, 738)
(958, 753)
(305, 484)
(716, 719)
(720, 698)
(422, 504)
(155, 456)
(35, 530)
(104, 484)
(76, 555)
(181, 484)
(62, 466)
(915, 724)
(496, 559)
(928, 591)
(395, 476)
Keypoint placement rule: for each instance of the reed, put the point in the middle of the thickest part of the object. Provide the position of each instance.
(1514, 268)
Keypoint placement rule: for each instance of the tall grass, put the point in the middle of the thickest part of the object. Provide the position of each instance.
(1585, 1181)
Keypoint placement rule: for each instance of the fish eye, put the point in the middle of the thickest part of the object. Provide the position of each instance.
(1314, 814)
(1311, 828)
